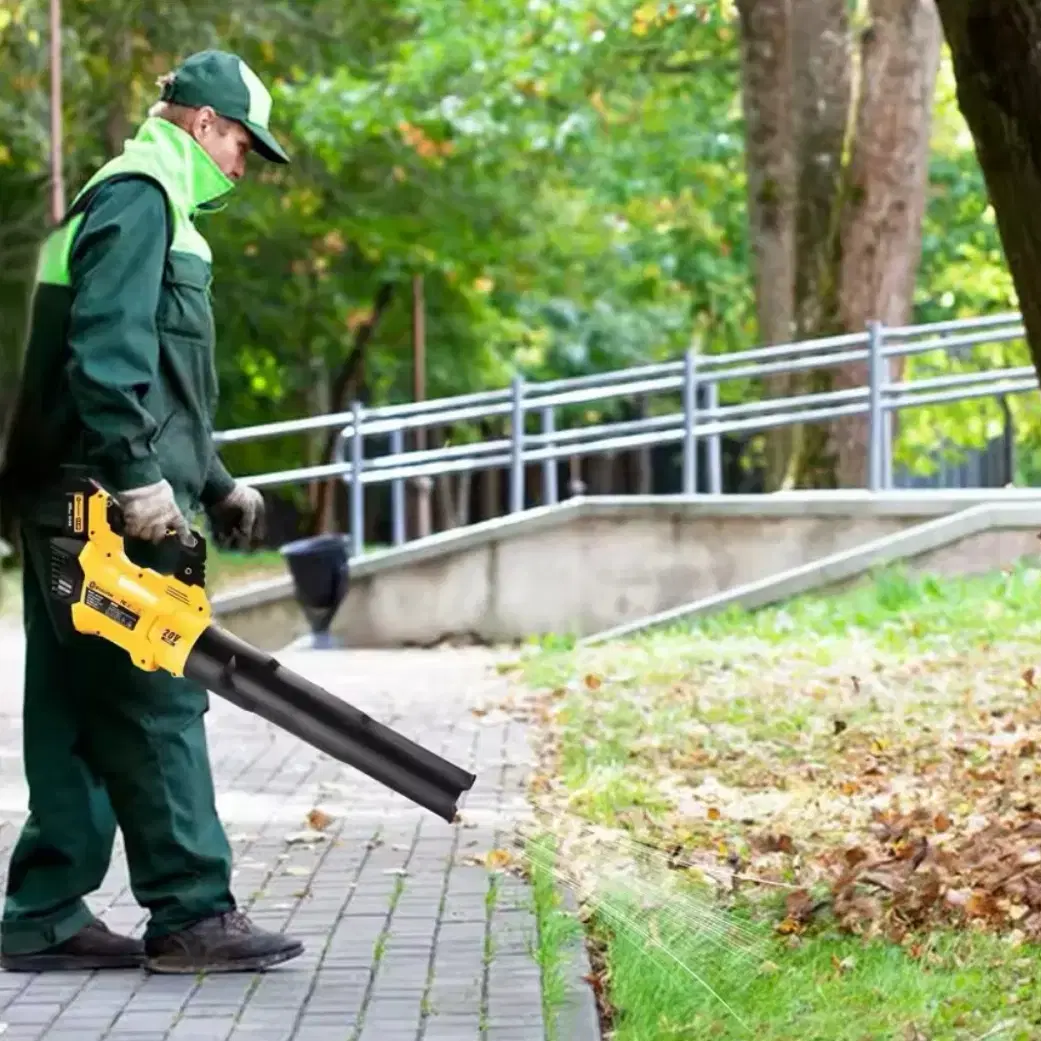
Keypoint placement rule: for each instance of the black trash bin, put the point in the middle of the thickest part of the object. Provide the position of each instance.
(320, 567)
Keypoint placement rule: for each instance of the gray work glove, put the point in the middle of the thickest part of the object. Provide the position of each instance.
(150, 513)
(239, 518)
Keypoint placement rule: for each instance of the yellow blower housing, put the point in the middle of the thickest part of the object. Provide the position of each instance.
(155, 618)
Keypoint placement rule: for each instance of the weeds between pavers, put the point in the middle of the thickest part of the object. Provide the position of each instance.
(834, 801)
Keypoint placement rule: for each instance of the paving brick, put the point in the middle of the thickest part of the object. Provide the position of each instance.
(385, 880)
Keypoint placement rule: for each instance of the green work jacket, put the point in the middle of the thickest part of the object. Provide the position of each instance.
(119, 371)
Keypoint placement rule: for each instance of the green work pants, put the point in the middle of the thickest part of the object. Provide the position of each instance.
(107, 744)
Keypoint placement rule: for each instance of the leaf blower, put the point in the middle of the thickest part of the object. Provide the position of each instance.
(165, 622)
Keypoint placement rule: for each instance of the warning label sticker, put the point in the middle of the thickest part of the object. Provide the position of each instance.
(105, 605)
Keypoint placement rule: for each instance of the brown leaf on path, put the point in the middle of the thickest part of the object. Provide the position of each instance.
(318, 820)
(592, 681)
(496, 859)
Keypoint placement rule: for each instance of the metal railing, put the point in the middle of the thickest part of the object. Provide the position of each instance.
(694, 377)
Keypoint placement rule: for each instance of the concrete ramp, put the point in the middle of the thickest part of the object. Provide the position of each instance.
(602, 564)
(974, 540)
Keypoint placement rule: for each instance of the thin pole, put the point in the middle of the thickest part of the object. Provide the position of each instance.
(57, 175)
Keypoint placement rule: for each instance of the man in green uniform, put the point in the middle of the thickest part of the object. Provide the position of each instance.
(119, 377)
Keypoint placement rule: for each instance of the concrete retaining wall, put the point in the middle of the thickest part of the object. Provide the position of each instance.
(972, 541)
(592, 565)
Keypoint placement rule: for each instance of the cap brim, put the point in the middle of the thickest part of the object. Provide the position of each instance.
(265, 145)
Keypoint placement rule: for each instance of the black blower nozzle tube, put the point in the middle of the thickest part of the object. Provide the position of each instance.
(260, 684)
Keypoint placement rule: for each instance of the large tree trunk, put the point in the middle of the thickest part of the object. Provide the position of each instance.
(885, 194)
(996, 54)
(822, 53)
(822, 56)
(849, 143)
(766, 57)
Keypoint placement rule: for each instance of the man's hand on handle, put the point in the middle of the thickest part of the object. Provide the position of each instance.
(238, 519)
(150, 513)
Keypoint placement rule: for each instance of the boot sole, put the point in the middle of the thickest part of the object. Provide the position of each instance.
(69, 962)
(255, 963)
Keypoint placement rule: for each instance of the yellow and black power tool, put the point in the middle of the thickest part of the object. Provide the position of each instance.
(164, 621)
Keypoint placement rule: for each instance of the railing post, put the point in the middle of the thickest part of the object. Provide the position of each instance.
(549, 466)
(690, 436)
(876, 431)
(357, 489)
(715, 442)
(887, 415)
(887, 444)
(517, 447)
(340, 456)
(397, 491)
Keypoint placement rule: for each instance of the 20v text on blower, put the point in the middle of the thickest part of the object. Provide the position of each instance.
(165, 622)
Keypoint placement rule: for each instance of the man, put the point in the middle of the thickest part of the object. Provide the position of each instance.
(119, 377)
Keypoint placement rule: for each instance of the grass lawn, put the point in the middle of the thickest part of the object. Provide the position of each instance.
(817, 821)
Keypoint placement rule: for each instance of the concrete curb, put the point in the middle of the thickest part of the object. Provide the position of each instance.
(579, 1018)
(852, 563)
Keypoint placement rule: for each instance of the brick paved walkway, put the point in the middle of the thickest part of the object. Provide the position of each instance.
(403, 940)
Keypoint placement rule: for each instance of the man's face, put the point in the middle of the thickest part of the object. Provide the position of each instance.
(227, 143)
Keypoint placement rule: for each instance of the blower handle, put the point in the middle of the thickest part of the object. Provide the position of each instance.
(185, 560)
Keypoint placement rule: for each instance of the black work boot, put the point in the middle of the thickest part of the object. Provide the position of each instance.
(94, 947)
(227, 942)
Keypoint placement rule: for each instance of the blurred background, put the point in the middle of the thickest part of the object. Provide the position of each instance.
(485, 189)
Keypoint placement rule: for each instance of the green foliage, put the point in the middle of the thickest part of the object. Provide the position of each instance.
(570, 184)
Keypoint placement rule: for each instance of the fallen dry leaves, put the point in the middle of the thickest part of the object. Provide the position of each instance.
(319, 820)
(899, 790)
(493, 860)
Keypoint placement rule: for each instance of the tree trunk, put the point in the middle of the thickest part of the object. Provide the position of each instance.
(766, 58)
(464, 482)
(822, 51)
(821, 56)
(885, 192)
(491, 491)
(996, 53)
(348, 376)
(844, 247)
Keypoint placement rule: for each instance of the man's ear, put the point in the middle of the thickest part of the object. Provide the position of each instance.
(205, 120)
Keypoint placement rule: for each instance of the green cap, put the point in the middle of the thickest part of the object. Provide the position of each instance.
(233, 90)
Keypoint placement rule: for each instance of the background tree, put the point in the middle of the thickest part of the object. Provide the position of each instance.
(995, 46)
(838, 107)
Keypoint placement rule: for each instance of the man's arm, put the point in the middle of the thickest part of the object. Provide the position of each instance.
(116, 268)
(219, 483)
